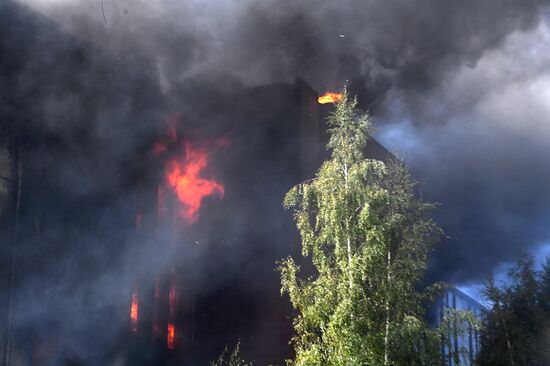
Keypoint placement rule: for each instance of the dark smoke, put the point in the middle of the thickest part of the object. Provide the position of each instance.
(480, 142)
(460, 88)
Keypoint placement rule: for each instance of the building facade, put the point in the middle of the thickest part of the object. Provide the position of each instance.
(460, 343)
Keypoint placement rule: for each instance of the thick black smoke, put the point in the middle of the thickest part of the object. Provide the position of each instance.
(460, 88)
(377, 45)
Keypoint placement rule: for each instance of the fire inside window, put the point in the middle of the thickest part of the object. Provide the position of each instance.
(184, 185)
(171, 331)
(134, 308)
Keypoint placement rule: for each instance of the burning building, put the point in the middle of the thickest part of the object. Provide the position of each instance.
(272, 139)
(143, 228)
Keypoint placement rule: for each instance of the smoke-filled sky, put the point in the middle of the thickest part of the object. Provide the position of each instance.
(459, 89)
(480, 140)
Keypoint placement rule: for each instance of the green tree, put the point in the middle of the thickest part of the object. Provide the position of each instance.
(368, 237)
(544, 301)
(233, 359)
(496, 330)
(516, 328)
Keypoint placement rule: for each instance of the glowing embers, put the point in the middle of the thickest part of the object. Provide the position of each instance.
(184, 177)
(134, 310)
(329, 97)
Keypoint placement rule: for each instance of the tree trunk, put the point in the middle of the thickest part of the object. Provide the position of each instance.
(506, 334)
(387, 330)
(350, 269)
(348, 239)
(508, 343)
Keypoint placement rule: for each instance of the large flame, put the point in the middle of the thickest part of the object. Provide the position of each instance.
(330, 97)
(184, 178)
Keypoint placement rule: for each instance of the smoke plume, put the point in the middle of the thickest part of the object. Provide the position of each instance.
(459, 89)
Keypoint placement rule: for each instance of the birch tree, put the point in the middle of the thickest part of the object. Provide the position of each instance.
(368, 237)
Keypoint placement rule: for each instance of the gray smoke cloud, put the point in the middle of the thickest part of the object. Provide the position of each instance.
(376, 45)
(480, 142)
(461, 90)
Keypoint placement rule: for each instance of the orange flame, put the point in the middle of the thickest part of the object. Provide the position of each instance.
(171, 334)
(184, 178)
(134, 306)
(134, 312)
(171, 337)
(330, 97)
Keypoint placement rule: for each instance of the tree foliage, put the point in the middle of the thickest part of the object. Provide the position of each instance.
(368, 237)
(516, 328)
(231, 359)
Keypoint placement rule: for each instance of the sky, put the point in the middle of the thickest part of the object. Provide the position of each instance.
(459, 89)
